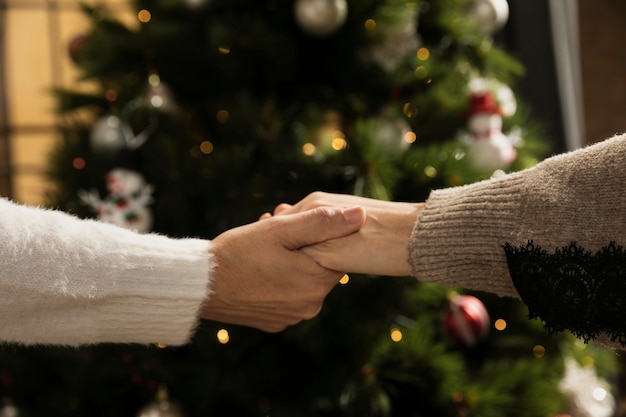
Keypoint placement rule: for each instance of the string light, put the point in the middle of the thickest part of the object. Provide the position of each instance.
(500, 324)
(144, 16)
(410, 137)
(370, 24)
(222, 336)
(430, 171)
(206, 147)
(395, 334)
(161, 345)
(154, 80)
(423, 54)
(421, 72)
(344, 279)
(587, 361)
(224, 49)
(308, 149)
(338, 144)
(539, 351)
(223, 116)
(409, 110)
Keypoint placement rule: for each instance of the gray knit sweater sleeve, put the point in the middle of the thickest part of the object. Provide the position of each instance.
(578, 197)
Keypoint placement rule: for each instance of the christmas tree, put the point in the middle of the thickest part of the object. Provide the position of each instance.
(208, 113)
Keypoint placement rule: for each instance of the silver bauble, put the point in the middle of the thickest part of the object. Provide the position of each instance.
(320, 18)
(108, 134)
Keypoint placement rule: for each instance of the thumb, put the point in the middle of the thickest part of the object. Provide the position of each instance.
(321, 224)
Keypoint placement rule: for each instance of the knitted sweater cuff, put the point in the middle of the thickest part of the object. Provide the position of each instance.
(457, 240)
(157, 299)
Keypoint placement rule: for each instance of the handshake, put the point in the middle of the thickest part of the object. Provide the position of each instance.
(277, 271)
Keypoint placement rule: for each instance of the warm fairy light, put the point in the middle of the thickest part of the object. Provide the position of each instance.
(144, 16)
(587, 361)
(338, 144)
(110, 95)
(409, 110)
(344, 279)
(308, 149)
(224, 49)
(539, 351)
(206, 147)
(161, 345)
(154, 80)
(222, 336)
(223, 116)
(370, 24)
(395, 334)
(500, 324)
(410, 137)
(420, 72)
(78, 163)
(423, 54)
(156, 101)
(430, 171)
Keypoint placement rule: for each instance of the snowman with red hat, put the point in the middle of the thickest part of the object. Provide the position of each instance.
(489, 149)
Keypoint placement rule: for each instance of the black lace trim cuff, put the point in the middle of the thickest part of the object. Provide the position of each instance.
(573, 289)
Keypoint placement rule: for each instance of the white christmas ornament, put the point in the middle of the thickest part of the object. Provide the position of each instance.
(389, 132)
(489, 149)
(108, 134)
(489, 15)
(126, 203)
(320, 18)
(398, 40)
(587, 395)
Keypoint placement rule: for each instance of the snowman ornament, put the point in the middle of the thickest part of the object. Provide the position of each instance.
(126, 204)
(489, 149)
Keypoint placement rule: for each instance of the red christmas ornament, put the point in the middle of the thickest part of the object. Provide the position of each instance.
(466, 320)
(75, 47)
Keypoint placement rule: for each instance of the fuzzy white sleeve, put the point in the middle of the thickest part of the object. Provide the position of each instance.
(69, 281)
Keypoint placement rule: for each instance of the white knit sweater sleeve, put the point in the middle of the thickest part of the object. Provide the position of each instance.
(69, 281)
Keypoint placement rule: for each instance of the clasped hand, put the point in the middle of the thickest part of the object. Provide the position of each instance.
(262, 279)
(278, 271)
(379, 247)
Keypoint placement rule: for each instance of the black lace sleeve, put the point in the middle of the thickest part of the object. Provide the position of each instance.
(573, 289)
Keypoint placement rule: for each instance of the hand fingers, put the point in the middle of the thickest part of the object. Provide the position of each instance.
(265, 216)
(283, 208)
(269, 319)
(321, 224)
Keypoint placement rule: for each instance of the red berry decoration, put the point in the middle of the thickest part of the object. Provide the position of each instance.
(466, 320)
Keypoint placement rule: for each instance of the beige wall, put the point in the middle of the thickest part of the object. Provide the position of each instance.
(36, 35)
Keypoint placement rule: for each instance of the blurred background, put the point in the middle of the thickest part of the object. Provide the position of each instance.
(219, 104)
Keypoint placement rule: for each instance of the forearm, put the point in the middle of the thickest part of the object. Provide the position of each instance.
(576, 197)
(69, 281)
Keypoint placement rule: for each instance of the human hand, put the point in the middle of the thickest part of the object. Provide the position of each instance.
(263, 280)
(381, 246)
